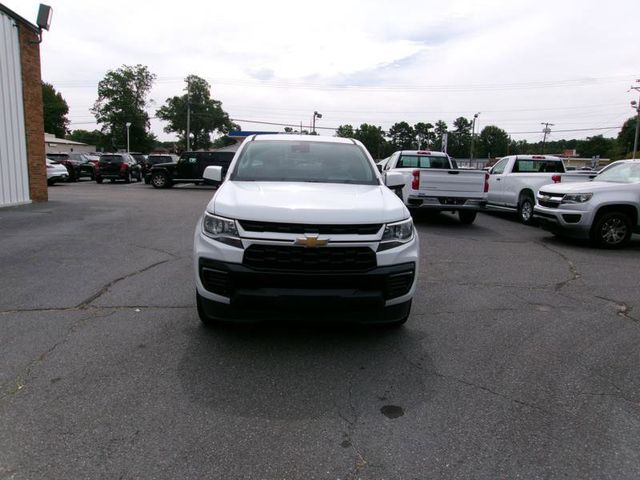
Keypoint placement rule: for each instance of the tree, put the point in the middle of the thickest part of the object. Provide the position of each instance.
(207, 115)
(345, 131)
(402, 136)
(439, 130)
(626, 137)
(493, 142)
(597, 145)
(373, 139)
(55, 111)
(122, 98)
(95, 137)
(424, 133)
(460, 139)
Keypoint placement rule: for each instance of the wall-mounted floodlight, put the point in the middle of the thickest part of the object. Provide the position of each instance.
(45, 13)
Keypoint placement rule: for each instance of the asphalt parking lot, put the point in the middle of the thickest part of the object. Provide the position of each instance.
(520, 359)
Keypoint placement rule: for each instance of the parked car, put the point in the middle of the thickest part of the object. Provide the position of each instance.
(189, 168)
(82, 165)
(155, 159)
(434, 182)
(514, 181)
(56, 172)
(304, 226)
(118, 166)
(605, 210)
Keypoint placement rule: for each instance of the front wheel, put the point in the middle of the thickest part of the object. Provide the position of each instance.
(160, 180)
(525, 209)
(611, 230)
(467, 217)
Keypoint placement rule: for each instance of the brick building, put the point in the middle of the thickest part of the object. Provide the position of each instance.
(23, 174)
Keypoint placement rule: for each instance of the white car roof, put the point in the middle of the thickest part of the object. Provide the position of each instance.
(299, 138)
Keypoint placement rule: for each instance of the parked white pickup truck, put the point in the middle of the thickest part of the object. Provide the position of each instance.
(433, 181)
(606, 210)
(514, 181)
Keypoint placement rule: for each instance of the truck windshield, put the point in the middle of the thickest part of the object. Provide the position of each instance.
(422, 161)
(624, 173)
(300, 161)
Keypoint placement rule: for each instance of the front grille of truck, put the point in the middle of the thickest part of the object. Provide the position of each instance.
(257, 226)
(301, 259)
(554, 203)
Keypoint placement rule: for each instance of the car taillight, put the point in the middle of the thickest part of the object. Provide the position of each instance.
(556, 178)
(486, 182)
(415, 183)
(123, 167)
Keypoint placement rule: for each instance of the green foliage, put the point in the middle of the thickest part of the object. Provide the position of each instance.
(492, 142)
(626, 138)
(373, 139)
(95, 137)
(402, 136)
(345, 131)
(596, 145)
(460, 138)
(223, 141)
(122, 98)
(207, 115)
(55, 110)
(424, 133)
(439, 130)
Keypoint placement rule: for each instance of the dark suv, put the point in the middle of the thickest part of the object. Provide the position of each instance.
(189, 168)
(155, 159)
(118, 166)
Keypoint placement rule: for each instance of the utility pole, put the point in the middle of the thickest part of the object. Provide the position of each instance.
(188, 112)
(128, 124)
(473, 135)
(546, 130)
(636, 106)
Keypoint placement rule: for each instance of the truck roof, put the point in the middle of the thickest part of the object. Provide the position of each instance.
(432, 153)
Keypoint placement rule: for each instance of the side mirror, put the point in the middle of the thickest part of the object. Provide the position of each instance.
(213, 173)
(394, 180)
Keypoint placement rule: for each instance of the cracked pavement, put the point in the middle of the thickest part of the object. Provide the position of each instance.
(520, 359)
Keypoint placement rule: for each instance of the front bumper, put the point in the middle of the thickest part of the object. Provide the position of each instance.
(237, 291)
(568, 220)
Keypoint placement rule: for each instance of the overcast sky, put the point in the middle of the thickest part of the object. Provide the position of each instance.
(518, 63)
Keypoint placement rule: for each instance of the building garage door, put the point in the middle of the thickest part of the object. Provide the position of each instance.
(14, 178)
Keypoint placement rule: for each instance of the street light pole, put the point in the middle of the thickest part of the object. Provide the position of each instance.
(128, 124)
(313, 128)
(636, 105)
(188, 111)
(473, 135)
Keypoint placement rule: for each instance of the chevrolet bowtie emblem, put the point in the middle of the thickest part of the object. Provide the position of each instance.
(311, 241)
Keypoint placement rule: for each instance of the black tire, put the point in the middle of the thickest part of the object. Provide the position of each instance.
(204, 318)
(467, 217)
(611, 230)
(99, 180)
(50, 182)
(525, 208)
(160, 180)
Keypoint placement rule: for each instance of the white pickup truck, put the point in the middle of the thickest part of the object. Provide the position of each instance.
(304, 227)
(606, 210)
(433, 181)
(514, 181)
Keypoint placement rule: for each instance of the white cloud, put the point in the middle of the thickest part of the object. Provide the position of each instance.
(409, 60)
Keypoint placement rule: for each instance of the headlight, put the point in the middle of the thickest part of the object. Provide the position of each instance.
(395, 234)
(221, 229)
(577, 197)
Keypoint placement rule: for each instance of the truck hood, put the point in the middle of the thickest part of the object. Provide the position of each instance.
(578, 187)
(302, 202)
